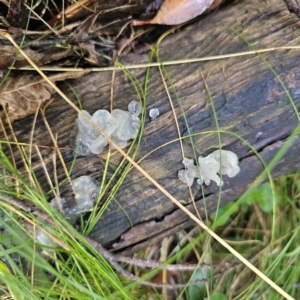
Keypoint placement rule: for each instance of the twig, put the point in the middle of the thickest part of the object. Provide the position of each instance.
(148, 263)
(55, 41)
(111, 258)
(165, 63)
(293, 6)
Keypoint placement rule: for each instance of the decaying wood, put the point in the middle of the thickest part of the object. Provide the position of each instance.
(249, 102)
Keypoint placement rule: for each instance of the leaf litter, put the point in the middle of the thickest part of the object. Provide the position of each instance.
(174, 12)
(23, 94)
(98, 34)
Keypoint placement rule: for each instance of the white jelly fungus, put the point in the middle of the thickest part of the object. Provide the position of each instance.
(43, 238)
(120, 125)
(86, 193)
(153, 113)
(209, 167)
(187, 176)
(229, 162)
(135, 108)
(127, 127)
(218, 162)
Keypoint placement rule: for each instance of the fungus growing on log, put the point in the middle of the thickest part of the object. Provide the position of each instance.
(86, 193)
(153, 113)
(187, 176)
(120, 125)
(218, 162)
(134, 107)
(127, 127)
(228, 161)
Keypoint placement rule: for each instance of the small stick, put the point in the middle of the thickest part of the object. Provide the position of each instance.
(293, 6)
(111, 258)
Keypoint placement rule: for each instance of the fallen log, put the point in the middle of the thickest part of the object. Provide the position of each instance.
(251, 106)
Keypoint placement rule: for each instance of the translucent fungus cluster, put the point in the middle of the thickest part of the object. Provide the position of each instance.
(187, 176)
(218, 162)
(120, 125)
(154, 113)
(43, 238)
(86, 193)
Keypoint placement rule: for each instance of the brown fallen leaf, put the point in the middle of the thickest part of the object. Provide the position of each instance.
(17, 14)
(173, 12)
(215, 4)
(93, 56)
(83, 29)
(23, 94)
(8, 54)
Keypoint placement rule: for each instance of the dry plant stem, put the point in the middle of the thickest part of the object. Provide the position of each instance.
(166, 63)
(293, 6)
(42, 110)
(113, 75)
(63, 14)
(131, 39)
(8, 144)
(57, 193)
(54, 41)
(31, 134)
(164, 254)
(122, 29)
(71, 11)
(19, 148)
(154, 182)
(111, 258)
(148, 263)
(179, 135)
(190, 239)
(45, 169)
(262, 220)
(41, 19)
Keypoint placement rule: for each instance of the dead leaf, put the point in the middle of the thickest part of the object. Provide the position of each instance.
(83, 29)
(173, 12)
(17, 14)
(8, 54)
(23, 94)
(93, 57)
(215, 4)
